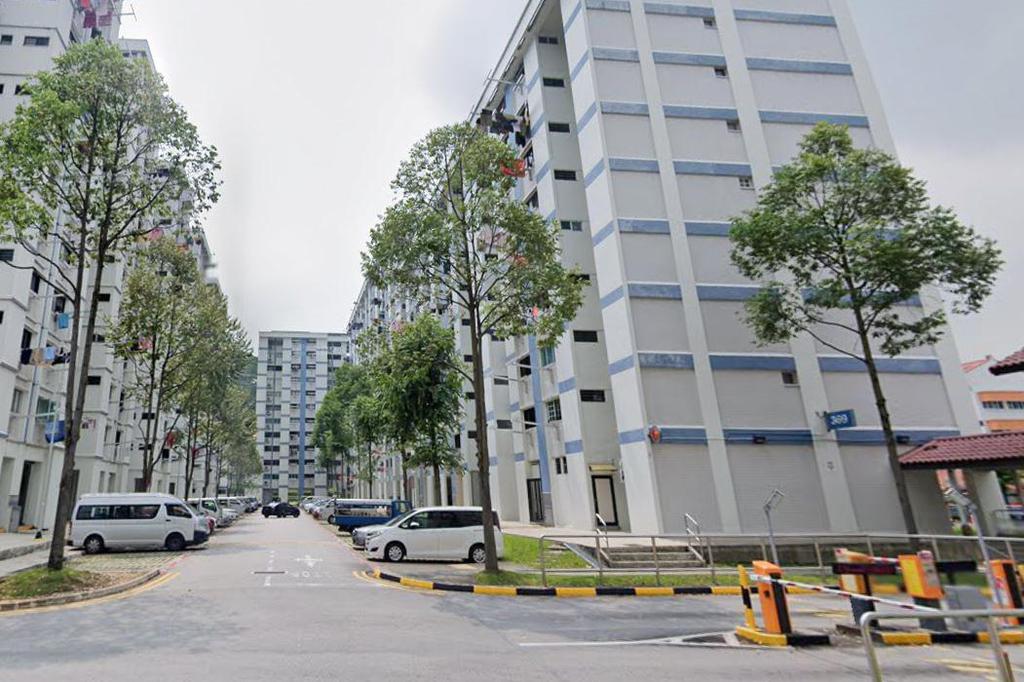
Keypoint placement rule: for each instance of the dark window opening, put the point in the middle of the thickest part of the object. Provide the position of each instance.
(565, 175)
(584, 336)
(591, 396)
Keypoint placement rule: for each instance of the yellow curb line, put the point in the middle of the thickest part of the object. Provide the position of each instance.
(762, 638)
(144, 587)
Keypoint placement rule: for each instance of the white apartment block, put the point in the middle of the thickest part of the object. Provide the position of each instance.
(648, 126)
(34, 316)
(294, 372)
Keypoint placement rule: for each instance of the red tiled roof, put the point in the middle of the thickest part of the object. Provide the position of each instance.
(1008, 365)
(972, 365)
(957, 451)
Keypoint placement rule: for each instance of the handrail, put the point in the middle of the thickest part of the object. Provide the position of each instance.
(1002, 663)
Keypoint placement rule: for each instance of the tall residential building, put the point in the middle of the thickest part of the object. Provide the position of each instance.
(645, 127)
(294, 372)
(998, 399)
(35, 317)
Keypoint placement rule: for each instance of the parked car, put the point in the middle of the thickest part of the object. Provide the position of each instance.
(351, 514)
(135, 521)
(449, 533)
(308, 503)
(280, 510)
(225, 517)
(322, 509)
(361, 534)
(207, 517)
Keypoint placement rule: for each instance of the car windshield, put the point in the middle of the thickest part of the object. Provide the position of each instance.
(398, 519)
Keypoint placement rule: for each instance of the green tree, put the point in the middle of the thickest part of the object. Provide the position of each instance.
(456, 235)
(96, 155)
(370, 427)
(423, 393)
(159, 328)
(841, 241)
(333, 432)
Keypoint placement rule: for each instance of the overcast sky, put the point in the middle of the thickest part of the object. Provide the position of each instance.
(313, 103)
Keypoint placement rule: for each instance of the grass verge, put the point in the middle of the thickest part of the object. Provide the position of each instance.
(41, 582)
(525, 551)
(531, 579)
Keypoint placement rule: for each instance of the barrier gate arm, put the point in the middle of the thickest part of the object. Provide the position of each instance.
(843, 593)
(1002, 663)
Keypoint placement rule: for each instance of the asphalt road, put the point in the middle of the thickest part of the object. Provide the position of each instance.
(282, 600)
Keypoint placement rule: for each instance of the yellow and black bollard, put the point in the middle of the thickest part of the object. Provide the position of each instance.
(748, 607)
(774, 611)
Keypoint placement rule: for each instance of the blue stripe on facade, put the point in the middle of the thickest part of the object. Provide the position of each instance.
(666, 360)
(633, 165)
(572, 16)
(609, 5)
(678, 10)
(634, 436)
(580, 63)
(707, 229)
(712, 113)
(537, 124)
(543, 171)
(769, 435)
(567, 385)
(758, 362)
(877, 436)
(594, 173)
(493, 461)
(798, 66)
(725, 292)
(887, 365)
(638, 225)
(615, 54)
(688, 58)
(612, 296)
(711, 168)
(517, 191)
(532, 83)
(604, 232)
(785, 17)
(520, 457)
(683, 434)
(488, 372)
(585, 118)
(629, 108)
(654, 290)
(513, 407)
(620, 365)
(811, 118)
(550, 216)
(490, 416)
(573, 447)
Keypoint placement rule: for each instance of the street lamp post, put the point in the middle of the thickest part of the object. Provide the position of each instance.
(773, 500)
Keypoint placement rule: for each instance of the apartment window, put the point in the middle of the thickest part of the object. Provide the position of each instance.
(465, 322)
(470, 395)
(1015, 404)
(554, 82)
(547, 356)
(746, 182)
(505, 424)
(571, 225)
(789, 378)
(561, 465)
(26, 339)
(529, 418)
(591, 396)
(99, 338)
(1, 88)
(471, 435)
(558, 127)
(565, 175)
(7, 39)
(584, 336)
(547, 40)
(467, 358)
(709, 22)
(16, 400)
(94, 380)
(20, 89)
(458, 440)
(36, 282)
(37, 41)
(524, 366)
(6, 255)
(104, 298)
(733, 125)
(553, 410)
(992, 404)
(582, 277)
(721, 72)
(532, 201)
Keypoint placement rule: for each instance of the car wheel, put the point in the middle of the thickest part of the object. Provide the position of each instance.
(175, 542)
(477, 554)
(394, 552)
(93, 544)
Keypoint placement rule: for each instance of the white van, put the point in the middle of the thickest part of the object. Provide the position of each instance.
(134, 520)
(451, 533)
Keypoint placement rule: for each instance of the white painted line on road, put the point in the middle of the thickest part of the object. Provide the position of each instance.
(308, 560)
(681, 641)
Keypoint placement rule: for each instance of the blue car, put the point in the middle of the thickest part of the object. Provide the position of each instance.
(351, 514)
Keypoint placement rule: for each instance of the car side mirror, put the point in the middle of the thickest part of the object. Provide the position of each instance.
(413, 524)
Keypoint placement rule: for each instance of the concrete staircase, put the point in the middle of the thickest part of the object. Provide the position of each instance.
(642, 558)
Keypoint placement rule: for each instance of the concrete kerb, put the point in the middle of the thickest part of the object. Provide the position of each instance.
(73, 597)
(565, 592)
(22, 550)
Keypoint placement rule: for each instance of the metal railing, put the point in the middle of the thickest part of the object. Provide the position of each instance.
(813, 550)
(1001, 661)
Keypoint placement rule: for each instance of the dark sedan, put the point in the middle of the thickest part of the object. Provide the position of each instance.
(280, 509)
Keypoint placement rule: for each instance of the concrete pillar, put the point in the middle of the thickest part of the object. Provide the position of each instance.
(985, 491)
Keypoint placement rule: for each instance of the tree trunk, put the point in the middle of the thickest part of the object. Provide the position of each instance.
(482, 454)
(890, 438)
(75, 402)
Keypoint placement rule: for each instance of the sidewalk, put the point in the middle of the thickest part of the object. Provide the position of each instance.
(21, 551)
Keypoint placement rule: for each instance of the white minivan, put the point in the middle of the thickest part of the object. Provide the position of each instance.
(134, 520)
(451, 533)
